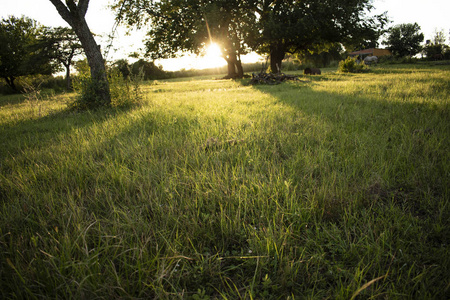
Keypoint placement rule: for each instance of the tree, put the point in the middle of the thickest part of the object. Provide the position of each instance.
(123, 67)
(74, 12)
(18, 52)
(179, 26)
(439, 37)
(313, 25)
(148, 70)
(142, 68)
(232, 25)
(436, 49)
(404, 39)
(62, 45)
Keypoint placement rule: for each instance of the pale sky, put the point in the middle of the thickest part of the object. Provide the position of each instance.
(431, 15)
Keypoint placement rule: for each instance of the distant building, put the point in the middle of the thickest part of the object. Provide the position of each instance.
(371, 52)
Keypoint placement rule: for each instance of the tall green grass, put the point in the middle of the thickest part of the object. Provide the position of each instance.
(336, 188)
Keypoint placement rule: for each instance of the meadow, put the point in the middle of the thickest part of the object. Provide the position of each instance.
(333, 187)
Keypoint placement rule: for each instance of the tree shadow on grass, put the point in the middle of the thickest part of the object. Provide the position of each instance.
(13, 99)
(20, 98)
(397, 145)
(39, 132)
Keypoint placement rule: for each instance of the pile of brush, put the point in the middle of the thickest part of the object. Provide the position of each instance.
(271, 78)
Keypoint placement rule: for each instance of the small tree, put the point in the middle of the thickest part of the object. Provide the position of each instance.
(437, 49)
(439, 37)
(123, 67)
(149, 70)
(62, 45)
(404, 39)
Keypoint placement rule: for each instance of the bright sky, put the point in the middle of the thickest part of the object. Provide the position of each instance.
(431, 15)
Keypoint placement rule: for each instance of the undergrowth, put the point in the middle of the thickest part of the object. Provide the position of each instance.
(351, 65)
(125, 92)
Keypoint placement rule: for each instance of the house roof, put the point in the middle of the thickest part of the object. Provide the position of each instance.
(361, 52)
(372, 51)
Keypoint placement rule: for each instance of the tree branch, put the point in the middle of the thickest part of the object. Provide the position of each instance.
(83, 7)
(62, 10)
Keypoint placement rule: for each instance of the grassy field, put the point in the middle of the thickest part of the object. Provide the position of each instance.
(333, 188)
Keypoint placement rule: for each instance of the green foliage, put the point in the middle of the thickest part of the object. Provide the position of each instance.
(124, 91)
(147, 69)
(62, 45)
(269, 27)
(88, 96)
(439, 37)
(323, 57)
(404, 39)
(432, 51)
(351, 65)
(321, 25)
(19, 51)
(437, 49)
(56, 84)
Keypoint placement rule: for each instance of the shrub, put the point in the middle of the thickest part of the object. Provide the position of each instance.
(124, 91)
(87, 93)
(350, 65)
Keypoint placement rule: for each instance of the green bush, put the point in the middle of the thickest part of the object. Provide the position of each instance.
(124, 91)
(87, 89)
(350, 65)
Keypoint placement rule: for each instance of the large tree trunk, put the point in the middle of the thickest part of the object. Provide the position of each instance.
(74, 14)
(240, 69)
(95, 61)
(231, 69)
(277, 54)
(235, 69)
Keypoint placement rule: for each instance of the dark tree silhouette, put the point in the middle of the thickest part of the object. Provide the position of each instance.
(19, 54)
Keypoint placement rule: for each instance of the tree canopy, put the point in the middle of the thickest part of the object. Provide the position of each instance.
(179, 26)
(404, 39)
(436, 49)
(19, 54)
(62, 45)
(314, 25)
(271, 27)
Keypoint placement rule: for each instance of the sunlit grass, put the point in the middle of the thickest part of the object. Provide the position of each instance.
(217, 188)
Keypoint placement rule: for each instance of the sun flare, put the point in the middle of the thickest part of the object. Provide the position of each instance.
(213, 51)
(212, 57)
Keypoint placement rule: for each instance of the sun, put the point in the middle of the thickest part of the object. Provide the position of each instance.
(212, 58)
(213, 51)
